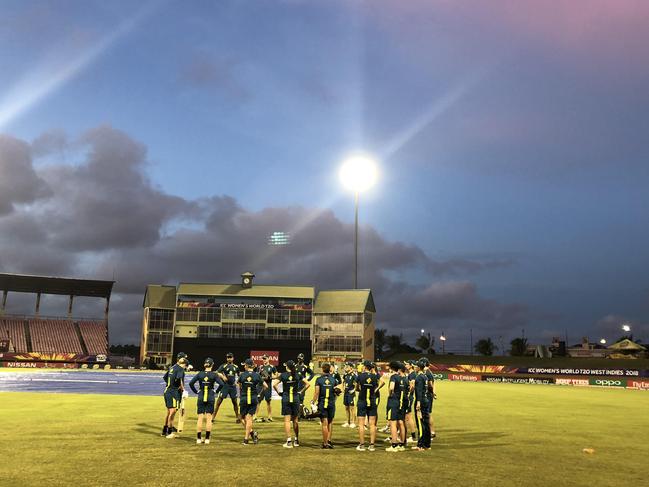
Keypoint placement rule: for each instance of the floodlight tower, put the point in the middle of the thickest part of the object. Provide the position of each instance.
(358, 173)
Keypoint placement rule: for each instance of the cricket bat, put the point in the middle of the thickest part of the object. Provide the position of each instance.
(181, 417)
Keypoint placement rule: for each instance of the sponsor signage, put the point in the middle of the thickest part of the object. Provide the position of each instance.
(273, 355)
(578, 371)
(101, 357)
(439, 375)
(607, 382)
(638, 384)
(464, 377)
(518, 380)
(562, 381)
(38, 365)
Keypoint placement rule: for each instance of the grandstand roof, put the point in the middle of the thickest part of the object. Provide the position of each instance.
(345, 301)
(160, 296)
(55, 285)
(262, 291)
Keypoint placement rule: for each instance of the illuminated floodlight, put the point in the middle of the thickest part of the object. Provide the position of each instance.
(603, 341)
(279, 238)
(423, 331)
(443, 338)
(626, 328)
(358, 173)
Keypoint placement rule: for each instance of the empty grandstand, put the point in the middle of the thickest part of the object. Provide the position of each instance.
(53, 339)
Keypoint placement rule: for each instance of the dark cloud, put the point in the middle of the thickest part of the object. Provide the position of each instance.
(19, 182)
(105, 218)
(50, 142)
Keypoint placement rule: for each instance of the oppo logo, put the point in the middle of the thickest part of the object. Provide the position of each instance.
(605, 382)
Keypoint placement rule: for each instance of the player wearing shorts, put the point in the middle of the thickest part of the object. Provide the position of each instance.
(324, 397)
(206, 379)
(397, 400)
(305, 371)
(292, 385)
(268, 372)
(175, 386)
(349, 395)
(411, 374)
(250, 388)
(228, 373)
(423, 387)
(367, 385)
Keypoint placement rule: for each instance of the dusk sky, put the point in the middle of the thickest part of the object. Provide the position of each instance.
(163, 141)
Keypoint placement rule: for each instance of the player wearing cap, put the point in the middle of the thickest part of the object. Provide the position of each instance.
(206, 379)
(423, 395)
(292, 385)
(349, 384)
(228, 373)
(249, 384)
(174, 379)
(324, 397)
(305, 371)
(367, 385)
(396, 407)
(268, 372)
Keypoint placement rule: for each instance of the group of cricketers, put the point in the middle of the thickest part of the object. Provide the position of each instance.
(410, 394)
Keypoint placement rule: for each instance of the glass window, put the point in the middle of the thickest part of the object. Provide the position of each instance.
(209, 314)
(232, 314)
(187, 314)
(338, 344)
(300, 317)
(255, 314)
(278, 315)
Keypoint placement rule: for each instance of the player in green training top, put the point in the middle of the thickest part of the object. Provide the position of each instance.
(250, 384)
(268, 372)
(205, 400)
(228, 373)
(175, 385)
(349, 395)
(293, 384)
(324, 398)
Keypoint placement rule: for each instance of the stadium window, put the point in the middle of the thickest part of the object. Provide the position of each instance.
(187, 314)
(209, 314)
(255, 314)
(278, 316)
(300, 317)
(232, 314)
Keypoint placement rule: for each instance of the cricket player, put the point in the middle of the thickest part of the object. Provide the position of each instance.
(206, 380)
(423, 396)
(305, 371)
(249, 384)
(396, 407)
(324, 397)
(349, 384)
(367, 385)
(268, 372)
(175, 386)
(292, 385)
(410, 418)
(228, 373)
(432, 395)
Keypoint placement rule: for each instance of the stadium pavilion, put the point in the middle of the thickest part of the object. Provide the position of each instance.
(249, 320)
(36, 340)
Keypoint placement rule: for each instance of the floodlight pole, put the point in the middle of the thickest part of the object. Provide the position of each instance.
(356, 240)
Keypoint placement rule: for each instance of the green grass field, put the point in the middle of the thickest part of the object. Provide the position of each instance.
(488, 434)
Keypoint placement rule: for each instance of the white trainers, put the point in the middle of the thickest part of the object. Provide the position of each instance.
(171, 435)
(371, 447)
(360, 448)
(388, 439)
(198, 441)
(345, 425)
(296, 443)
(410, 439)
(207, 441)
(288, 444)
(392, 448)
(353, 425)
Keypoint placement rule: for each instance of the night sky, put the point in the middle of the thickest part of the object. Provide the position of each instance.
(164, 141)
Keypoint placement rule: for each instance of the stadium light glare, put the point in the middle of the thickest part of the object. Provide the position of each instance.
(603, 341)
(358, 173)
(626, 327)
(423, 331)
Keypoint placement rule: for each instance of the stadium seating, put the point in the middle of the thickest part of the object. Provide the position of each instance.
(14, 329)
(49, 335)
(94, 337)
